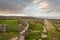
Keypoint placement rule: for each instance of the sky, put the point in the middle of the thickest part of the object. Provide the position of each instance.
(30, 7)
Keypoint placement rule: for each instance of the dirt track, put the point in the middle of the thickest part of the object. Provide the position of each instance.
(48, 25)
(51, 29)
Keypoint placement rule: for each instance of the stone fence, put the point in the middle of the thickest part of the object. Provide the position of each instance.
(23, 29)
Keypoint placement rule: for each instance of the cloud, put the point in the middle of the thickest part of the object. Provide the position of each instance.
(43, 5)
(36, 1)
(7, 6)
(49, 6)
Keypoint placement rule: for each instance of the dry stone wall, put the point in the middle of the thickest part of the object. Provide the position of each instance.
(23, 30)
(3, 27)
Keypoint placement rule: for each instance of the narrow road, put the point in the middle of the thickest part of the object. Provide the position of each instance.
(48, 25)
(51, 30)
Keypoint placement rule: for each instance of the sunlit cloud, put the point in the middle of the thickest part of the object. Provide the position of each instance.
(43, 5)
(36, 1)
(49, 6)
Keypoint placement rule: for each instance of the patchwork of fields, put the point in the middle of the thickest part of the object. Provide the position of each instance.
(35, 29)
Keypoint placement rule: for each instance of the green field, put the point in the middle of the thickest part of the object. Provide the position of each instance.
(7, 35)
(12, 25)
(12, 29)
(55, 33)
(35, 30)
(34, 33)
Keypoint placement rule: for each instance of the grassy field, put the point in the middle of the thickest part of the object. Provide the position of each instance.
(35, 30)
(12, 29)
(7, 35)
(12, 25)
(54, 34)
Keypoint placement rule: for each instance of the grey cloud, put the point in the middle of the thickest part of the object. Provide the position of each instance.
(13, 5)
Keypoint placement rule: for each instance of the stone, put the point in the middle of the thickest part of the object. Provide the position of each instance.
(3, 27)
(40, 39)
(44, 31)
(34, 39)
(43, 36)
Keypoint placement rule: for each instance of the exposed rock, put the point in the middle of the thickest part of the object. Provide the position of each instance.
(44, 27)
(40, 39)
(34, 39)
(22, 29)
(2, 27)
(43, 36)
(44, 31)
